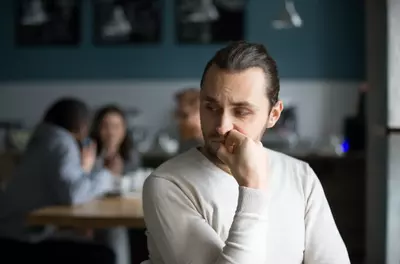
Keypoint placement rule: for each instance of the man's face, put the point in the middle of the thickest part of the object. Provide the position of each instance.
(235, 100)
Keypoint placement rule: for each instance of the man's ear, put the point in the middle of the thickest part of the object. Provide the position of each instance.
(275, 114)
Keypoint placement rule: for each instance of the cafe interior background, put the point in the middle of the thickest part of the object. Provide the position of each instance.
(140, 54)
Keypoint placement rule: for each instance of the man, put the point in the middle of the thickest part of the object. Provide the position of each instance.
(53, 171)
(233, 201)
(187, 115)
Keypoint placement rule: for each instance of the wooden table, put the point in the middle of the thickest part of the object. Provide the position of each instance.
(102, 213)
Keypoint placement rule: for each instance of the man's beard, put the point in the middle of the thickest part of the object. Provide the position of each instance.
(211, 153)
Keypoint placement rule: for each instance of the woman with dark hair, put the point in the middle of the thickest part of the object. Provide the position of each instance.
(114, 143)
(116, 152)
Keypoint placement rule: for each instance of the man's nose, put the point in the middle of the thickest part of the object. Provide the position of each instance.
(225, 124)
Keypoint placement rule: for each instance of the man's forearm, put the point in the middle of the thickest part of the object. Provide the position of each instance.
(248, 229)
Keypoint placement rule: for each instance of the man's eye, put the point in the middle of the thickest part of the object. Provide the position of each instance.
(242, 112)
(211, 107)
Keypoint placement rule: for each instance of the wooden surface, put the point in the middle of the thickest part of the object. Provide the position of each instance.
(102, 213)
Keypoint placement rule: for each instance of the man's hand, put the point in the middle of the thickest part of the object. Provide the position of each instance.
(246, 158)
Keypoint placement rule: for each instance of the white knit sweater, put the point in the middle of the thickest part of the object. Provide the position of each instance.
(196, 213)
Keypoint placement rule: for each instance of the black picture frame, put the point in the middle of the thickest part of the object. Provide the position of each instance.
(209, 21)
(48, 22)
(127, 22)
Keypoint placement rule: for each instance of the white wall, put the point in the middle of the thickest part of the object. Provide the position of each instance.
(322, 105)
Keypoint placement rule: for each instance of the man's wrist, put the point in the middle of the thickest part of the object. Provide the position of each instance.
(253, 182)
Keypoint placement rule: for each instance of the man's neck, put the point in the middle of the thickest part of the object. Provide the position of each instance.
(214, 160)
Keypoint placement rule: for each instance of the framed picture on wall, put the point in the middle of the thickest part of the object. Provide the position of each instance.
(127, 21)
(47, 22)
(209, 21)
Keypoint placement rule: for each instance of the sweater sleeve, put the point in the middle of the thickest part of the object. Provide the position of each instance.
(182, 236)
(71, 184)
(323, 241)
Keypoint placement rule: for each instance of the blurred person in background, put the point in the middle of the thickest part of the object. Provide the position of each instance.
(116, 152)
(115, 149)
(187, 115)
(55, 169)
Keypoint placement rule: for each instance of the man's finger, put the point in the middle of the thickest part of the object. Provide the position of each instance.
(234, 138)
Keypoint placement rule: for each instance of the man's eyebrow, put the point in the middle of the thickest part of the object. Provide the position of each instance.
(236, 104)
(210, 99)
(243, 104)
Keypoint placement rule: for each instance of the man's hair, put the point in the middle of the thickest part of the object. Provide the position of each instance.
(68, 113)
(241, 55)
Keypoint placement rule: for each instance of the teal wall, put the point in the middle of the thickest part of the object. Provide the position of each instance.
(329, 46)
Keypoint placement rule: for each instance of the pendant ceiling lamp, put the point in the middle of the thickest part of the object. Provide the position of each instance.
(289, 18)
